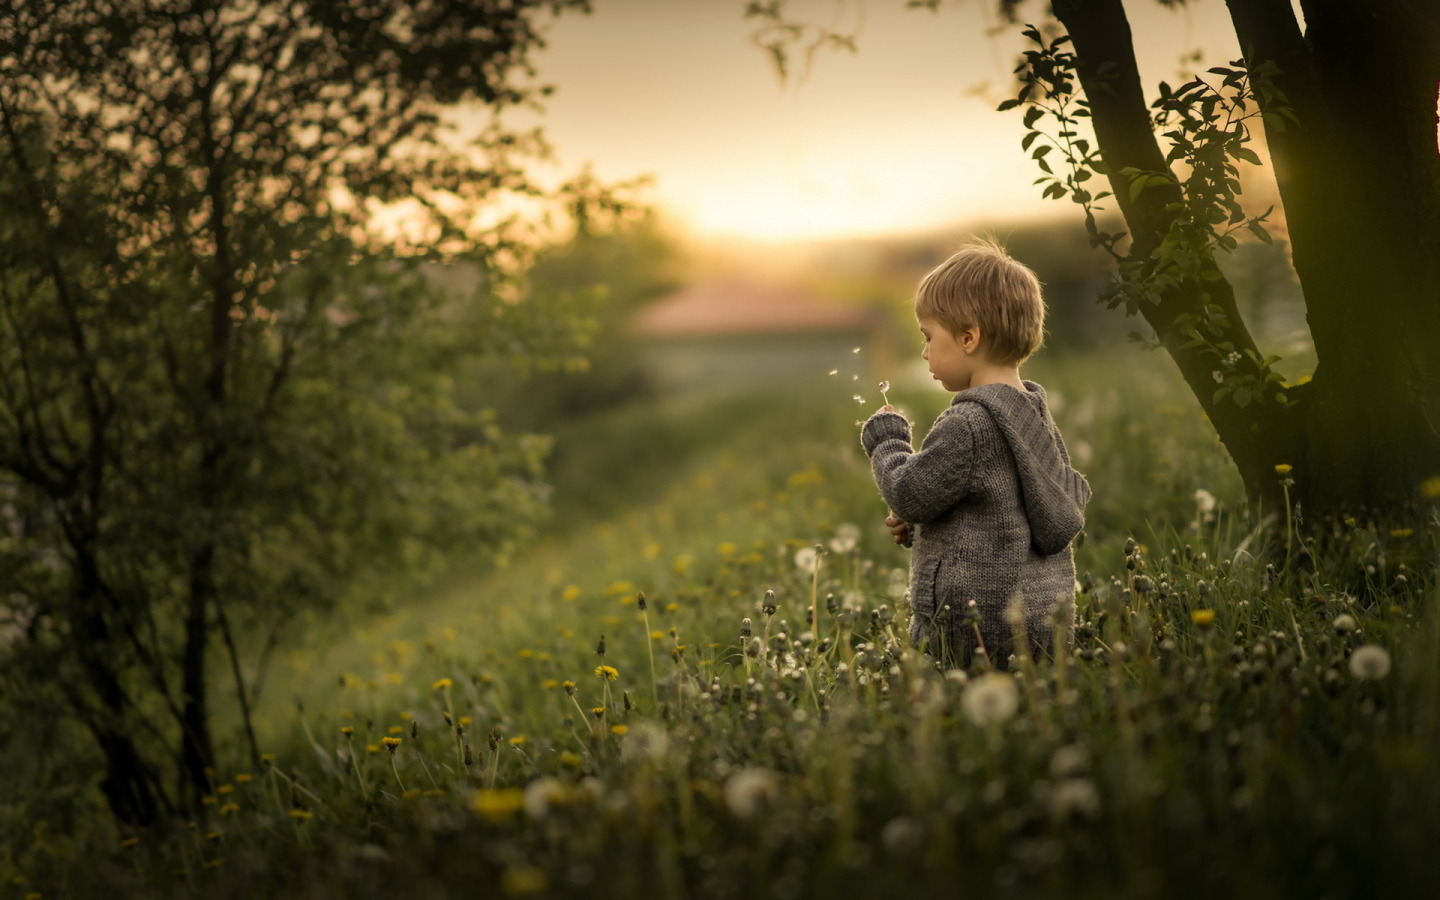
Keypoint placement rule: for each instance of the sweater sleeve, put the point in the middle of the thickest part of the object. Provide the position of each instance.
(921, 485)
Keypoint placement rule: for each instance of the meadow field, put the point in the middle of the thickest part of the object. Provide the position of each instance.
(698, 684)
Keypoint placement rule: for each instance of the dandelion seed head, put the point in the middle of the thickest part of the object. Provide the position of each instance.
(1370, 662)
(884, 386)
(990, 699)
(748, 791)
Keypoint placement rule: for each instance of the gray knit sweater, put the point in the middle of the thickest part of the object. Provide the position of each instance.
(993, 505)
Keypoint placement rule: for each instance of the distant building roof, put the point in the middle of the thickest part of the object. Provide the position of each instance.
(739, 308)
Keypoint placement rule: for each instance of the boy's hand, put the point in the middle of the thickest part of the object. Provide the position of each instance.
(887, 408)
(899, 528)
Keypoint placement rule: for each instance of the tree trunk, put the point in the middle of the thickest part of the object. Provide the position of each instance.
(1360, 182)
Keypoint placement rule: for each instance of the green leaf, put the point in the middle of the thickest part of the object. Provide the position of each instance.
(1007, 105)
(1032, 115)
(1242, 397)
(1029, 139)
(1259, 231)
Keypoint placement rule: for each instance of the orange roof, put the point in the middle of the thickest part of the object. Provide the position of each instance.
(737, 308)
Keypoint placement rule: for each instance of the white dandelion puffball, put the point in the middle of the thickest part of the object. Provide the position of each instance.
(1370, 663)
(884, 386)
(543, 794)
(990, 699)
(1205, 501)
(847, 536)
(748, 791)
(805, 559)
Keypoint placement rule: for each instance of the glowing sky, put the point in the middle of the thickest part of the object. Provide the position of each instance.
(902, 136)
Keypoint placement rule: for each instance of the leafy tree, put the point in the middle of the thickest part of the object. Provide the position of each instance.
(225, 374)
(1347, 108)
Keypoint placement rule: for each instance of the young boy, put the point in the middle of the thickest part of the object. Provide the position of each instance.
(989, 500)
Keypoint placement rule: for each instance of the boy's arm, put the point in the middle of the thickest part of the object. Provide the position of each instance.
(920, 485)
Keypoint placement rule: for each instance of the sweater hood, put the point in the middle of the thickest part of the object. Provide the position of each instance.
(1053, 494)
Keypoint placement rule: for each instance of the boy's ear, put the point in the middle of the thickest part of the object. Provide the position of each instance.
(970, 338)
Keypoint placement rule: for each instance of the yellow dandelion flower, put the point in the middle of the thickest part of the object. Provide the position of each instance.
(267, 758)
(129, 842)
(727, 549)
(571, 593)
(396, 729)
(671, 607)
(619, 730)
(653, 551)
(1284, 469)
(300, 815)
(497, 804)
(597, 711)
(394, 678)
(441, 683)
(656, 635)
(212, 863)
(1202, 617)
(372, 748)
(682, 564)
(1430, 487)
(606, 672)
(391, 743)
(348, 731)
(518, 740)
(570, 759)
(412, 794)
(1401, 532)
(549, 684)
(244, 778)
(405, 716)
(214, 836)
(229, 808)
(569, 687)
(543, 656)
(208, 801)
(464, 720)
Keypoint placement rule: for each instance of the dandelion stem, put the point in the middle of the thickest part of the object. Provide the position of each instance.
(650, 651)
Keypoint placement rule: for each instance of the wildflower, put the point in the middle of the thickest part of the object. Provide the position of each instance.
(267, 759)
(1204, 501)
(518, 740)
(1075, 798)
(640, 601)
(747, 791)
(608, 673)
(244, 778)
(347, 730)
(1430, 487)
(597, 711)
(396, 729)
(1401, 532)
(229, 808)
(391, 743)
(570, 594)
(847, 536)
(619, 730)
(1370, 663)
(1343, 623)
(569, 687)
(544, 794)
(806, 559)
(769, 606)
(1284, 469)
(300, 815)
(442, 683)
(521, 881)
(990, 699)
(571, 760)
(130, 842)
(1203, 617)
(497, 804)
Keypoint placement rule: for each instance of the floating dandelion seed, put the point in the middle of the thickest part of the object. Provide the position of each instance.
(885, 391)
(855, 350)
(859, 399)
(834, 371)
(854, 377)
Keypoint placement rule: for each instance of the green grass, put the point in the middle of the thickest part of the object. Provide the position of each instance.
(1171, 754)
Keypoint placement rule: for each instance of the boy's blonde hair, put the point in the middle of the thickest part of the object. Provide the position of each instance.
(984, 286)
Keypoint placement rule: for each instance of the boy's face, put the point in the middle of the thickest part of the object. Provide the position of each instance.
(953, 358)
